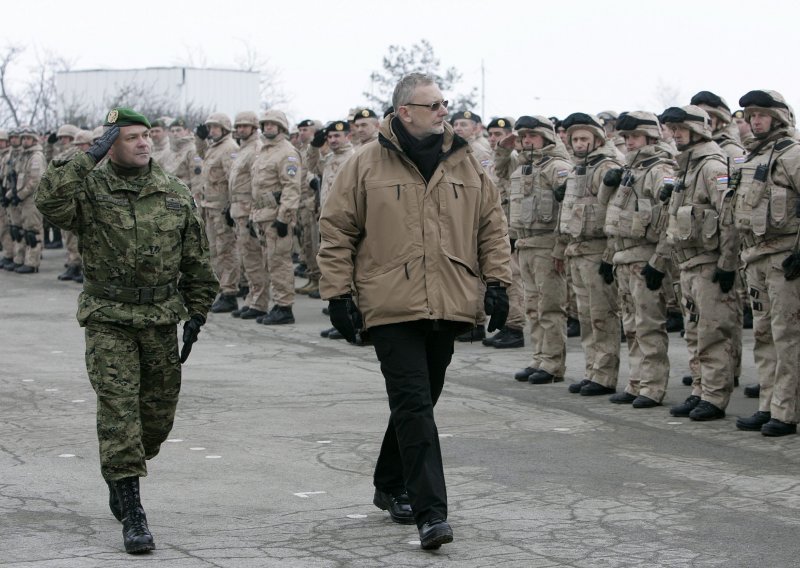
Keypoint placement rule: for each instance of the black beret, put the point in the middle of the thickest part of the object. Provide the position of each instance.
(306, 122)
(365, 113)
(467, 115)
(338, 126)
(500, 123)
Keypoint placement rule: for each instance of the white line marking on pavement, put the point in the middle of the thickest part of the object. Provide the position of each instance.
(307, 494)
(356, 516)
(78, 400)
(445, 435)
(66, 455)
(414, 542)
(560, 429)
(213, 457)
(50, 390)
(174, 440)
(197, 449)
(674, 423)
(27, 380)
(231, 345)
(56, 352)
(323, 441)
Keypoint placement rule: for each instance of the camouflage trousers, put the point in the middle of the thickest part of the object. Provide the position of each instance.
(572, 303)
(222, 246)
(711, 328)
(71, 244)
(644, 314)
(33, 225)
(599, 317)
(516, 296)
(776, 331)
(278, 256)
(137, 377)
(545, 295)
(5, 234)
(310, 241)
(254, 265)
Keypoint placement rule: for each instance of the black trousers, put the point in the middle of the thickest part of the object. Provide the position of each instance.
(414, 357)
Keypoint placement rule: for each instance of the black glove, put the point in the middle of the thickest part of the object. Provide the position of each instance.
(725, 278)
(495, 304)
(191, 330)
(281, 228)
(606, 270)
(4, 201)
(560, 192)
(345, 316)
(314, 184)
(251, 228)
(228, 219)
(320, 136)
(513, 244)
(102, 145)
(652, 277)
(613, 177)
(53, 138)
(666, 192)
(791, 266)
(15, 200)
(201, 131)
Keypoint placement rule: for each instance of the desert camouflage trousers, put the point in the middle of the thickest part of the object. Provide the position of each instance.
(776, 331)
(516, 296)
(545, 296)
(136, 375)
(310, 241)
(71, 244)
(254, 265)
(278, 261)
(644, 314)
(222, 246)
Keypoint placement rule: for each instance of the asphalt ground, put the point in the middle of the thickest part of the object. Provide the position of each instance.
(270, 460)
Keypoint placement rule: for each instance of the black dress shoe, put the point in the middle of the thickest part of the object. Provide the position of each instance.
(575, 388)
(596, 389)
(542, 377)
(622, 398)
(775, 428)
(523, 375)
(434, 534)
(687, 380)
(755, 422)
(644, 402)
(684, 409)
(752, 391)
(705, 411)
(399, 506)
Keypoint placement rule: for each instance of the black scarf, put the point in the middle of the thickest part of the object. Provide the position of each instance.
(426, 153)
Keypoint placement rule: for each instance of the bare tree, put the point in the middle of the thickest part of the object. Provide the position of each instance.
(271, 91)
(9, 114)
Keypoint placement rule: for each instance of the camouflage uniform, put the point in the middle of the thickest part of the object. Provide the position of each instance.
(147, 267)
(29, 172)
(13, 212)
(184, 163)
(6, 242)
(70, 240)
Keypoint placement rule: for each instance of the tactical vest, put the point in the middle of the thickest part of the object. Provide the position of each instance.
(765, 210)
(632, 214)
(693, 227)
(582, 215)
(533, 207)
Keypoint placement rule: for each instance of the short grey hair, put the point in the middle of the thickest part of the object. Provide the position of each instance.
(404, 90)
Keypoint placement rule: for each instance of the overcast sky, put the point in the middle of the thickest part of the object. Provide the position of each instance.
(549, 58)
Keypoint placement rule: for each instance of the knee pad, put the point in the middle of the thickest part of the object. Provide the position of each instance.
(30, 239)
(16, 233)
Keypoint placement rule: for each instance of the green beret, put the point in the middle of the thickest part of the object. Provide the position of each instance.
(159, 122)
(178, 122)
(122, 116)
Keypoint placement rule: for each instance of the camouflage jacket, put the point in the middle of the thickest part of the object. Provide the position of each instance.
(134, 232)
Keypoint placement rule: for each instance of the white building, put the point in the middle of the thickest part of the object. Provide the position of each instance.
(185, 88)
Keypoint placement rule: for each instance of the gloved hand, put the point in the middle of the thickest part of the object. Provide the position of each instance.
(201, 131)
(791, 266)
(513, 244)
(4, 201)
(666, 192)
(281, 228)
(251, 228)
(613, 177)
(725, 278)
(560, 192)
(102, 145)
(314, 184)
(606, 270)
(345, 316)
(191, 329)
(53, 138)
(652, 277)
(228, 219)
(320, 137)
(495, 304)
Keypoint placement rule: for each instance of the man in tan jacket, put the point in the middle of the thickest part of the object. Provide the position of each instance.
(410, 226)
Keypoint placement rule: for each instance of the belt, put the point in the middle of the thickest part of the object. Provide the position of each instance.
(145, 295)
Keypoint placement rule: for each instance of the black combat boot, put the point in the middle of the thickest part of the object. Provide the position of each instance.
(595, 389)
(705, 411)
(775, 428)
(575, 388)
(686, 407)
(25, 269)
(69, 273)
(278, 315)
(489, 341)
(224, 303)
(523, 375)
(512, 339)
(239, 311)
(674, 322)
(113, 501)
(477, 333)
(752, 391)
(135, 534)
(755, 422)
(573, 327)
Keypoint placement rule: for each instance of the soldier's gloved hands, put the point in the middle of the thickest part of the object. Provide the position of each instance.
(613, 177)
(191, 329)
(606, 270)
(53, 138)
(652, 277)
(560, 192)
(228, 219)
(666, 192)
(319, 139)
(102, 145)
(201, 131)
(251, 228)
(495, 304)
(4, 201)
(15, 200)
(344, 316)
(281, 228)
(791, 266)
(725, 279)
(314, 184)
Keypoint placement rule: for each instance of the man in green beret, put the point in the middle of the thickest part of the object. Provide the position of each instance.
(146, 267)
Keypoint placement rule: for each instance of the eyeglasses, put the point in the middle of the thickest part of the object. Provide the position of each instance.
(433, 107)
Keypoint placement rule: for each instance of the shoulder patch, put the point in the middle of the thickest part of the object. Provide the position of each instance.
(722, 181)
(740, 159)
(562, 173)
(173, 203)
(669, 180)
(291, 158)
(291, 170)
(783, 144)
